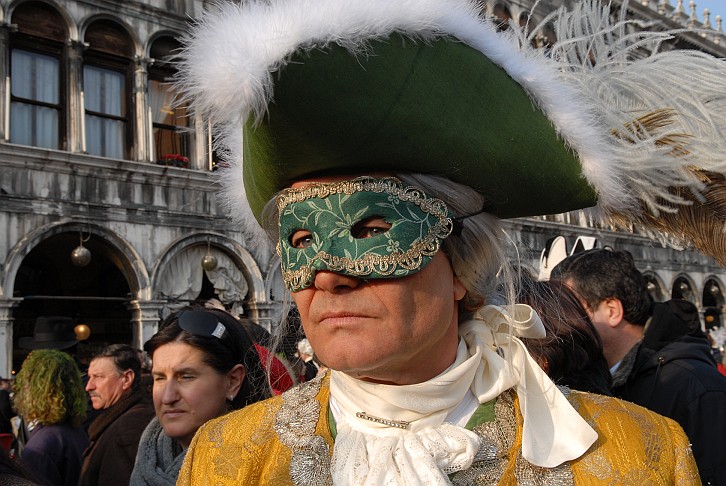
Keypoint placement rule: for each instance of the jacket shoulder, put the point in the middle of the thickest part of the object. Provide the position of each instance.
(235, 448)
(634, 444)
(244, 447)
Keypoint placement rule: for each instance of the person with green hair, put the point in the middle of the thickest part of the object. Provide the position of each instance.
(50, 398)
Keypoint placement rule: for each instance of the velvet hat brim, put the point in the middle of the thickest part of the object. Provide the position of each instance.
(436, 107)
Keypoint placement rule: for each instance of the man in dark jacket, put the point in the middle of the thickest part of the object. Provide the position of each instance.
(658, 354)
(114, 387)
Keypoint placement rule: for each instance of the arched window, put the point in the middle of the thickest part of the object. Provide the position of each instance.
(107, 98)
(171, 141)
(682, 289)
(37, 101)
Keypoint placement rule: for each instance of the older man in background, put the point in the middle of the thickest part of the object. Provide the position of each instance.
(114, 387)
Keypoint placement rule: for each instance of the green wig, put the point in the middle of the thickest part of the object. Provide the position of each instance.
(49, 389)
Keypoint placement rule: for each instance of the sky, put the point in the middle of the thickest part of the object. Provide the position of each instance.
(716, 7)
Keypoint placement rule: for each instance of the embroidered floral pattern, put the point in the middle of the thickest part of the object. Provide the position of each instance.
(329, 211)
(310, 464)
(295, 426)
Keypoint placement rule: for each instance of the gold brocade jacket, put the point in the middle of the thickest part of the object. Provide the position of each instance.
(287, 440)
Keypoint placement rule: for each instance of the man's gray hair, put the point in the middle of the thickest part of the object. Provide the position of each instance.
(476, 246)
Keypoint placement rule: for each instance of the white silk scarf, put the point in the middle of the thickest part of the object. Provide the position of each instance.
(490, 360)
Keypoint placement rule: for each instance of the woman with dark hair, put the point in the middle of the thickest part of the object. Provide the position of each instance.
(204, 364)
(49, 396)
(571, 353)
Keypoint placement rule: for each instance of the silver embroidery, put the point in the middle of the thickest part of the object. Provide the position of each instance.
(295, 426)
(310, 463)
(497, 439)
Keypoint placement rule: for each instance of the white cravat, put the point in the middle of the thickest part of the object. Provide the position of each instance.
(370, 453)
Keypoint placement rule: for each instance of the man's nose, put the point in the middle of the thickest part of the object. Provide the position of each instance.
(335, 282)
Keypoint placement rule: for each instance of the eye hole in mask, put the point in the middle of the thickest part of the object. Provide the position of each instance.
(370, 228)
(366, 227)
(301, 239)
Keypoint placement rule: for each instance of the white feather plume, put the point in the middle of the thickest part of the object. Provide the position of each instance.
(595, 84)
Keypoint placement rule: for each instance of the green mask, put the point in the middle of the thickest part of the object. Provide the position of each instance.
(368, 228)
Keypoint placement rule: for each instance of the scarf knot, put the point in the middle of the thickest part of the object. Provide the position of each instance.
(490, 360)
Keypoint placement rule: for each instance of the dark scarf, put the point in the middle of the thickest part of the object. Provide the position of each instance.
(109, 416)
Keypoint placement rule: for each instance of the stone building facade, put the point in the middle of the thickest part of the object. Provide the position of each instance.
(93, 155)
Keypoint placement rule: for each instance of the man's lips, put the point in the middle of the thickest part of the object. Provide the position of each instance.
(341, 317)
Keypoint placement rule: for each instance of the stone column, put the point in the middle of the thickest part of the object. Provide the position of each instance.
(145, 319)
(265, 314)
(201, 145)
(6, 335)
(142, 121)
(74, 89)
(5, 30)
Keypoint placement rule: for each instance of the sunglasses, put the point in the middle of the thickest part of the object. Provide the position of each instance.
(206, 324)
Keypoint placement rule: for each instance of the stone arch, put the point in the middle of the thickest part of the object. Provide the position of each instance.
(69, 24)
(129, 260)
(502, 12)
(156, 36)
(688, 292)
(218, 243)
(656, 287)
(36, 269)
(137, 48)
(714, 286)
(712, 301)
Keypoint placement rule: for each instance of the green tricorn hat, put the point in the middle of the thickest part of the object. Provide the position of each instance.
(301, 88)
(438, 107)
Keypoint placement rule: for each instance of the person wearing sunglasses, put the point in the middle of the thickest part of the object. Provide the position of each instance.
(204, 364)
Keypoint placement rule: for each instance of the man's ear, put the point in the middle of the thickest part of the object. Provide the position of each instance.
(459, 289)
(127, 379)
(615, 312)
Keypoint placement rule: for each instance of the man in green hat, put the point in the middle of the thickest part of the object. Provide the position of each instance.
(378, 143)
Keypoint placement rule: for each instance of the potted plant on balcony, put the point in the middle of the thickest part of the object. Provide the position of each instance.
(174, 160)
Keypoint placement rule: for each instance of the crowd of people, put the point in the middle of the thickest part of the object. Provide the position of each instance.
(205, 362)
(378, 145)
